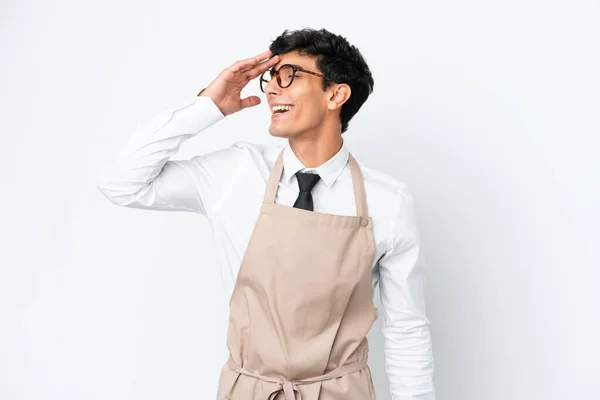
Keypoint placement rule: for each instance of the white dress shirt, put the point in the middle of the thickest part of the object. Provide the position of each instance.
(227, 186)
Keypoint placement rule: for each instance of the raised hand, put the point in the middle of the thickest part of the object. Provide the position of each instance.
(226, 89)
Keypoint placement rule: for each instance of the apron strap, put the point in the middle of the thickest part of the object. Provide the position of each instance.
(274, 179)
(360, 196)
(358, 183)
(289, 387)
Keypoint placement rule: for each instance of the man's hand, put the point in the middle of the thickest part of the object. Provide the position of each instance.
(225, 90)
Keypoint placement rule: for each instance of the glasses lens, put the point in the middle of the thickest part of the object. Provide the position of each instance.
(265, 78)
(286, 74)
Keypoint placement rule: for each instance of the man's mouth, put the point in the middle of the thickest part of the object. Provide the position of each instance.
(282, 109)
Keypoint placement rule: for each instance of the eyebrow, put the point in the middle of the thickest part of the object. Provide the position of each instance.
(295, 65)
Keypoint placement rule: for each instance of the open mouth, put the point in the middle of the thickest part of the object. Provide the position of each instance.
(278, 110)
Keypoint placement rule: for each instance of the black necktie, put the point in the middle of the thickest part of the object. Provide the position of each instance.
(306, 182)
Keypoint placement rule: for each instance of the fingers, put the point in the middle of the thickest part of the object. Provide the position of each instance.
(262, 67)
(244, 65)
(250, 101)
(264, 55)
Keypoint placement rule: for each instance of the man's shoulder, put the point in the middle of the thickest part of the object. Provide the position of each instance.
(385, 193)
(260, 152)
(258, 147)
(381, 182)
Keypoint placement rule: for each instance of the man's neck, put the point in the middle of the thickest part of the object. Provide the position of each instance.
(315, 152)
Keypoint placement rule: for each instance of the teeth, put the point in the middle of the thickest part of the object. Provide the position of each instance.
(279, 108)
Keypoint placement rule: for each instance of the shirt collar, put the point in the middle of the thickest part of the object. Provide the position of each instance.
(328, 171)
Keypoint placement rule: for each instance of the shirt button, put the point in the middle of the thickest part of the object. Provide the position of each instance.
(364, 222)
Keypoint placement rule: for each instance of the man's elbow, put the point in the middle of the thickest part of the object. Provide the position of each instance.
(115, 192)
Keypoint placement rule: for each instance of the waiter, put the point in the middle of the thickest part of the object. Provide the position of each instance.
(304, 231)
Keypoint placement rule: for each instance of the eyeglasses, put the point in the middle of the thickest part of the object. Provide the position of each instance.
(285, 75)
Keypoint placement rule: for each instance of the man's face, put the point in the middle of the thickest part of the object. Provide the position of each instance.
(305, 95)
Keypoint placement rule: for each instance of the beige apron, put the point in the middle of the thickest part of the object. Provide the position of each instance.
(302, 304)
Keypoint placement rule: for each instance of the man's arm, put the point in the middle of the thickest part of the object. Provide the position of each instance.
(405, 327)
(144, 177)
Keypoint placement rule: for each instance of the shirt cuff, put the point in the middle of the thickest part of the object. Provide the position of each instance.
(197, 114)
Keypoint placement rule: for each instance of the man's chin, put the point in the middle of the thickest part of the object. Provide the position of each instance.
(278, 133)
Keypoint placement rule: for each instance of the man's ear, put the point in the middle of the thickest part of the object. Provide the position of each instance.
(339, 95)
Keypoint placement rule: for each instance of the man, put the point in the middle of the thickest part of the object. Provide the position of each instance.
(304, 232)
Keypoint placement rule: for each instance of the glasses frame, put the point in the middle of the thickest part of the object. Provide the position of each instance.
(295, 69)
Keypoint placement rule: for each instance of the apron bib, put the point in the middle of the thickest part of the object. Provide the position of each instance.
(302, 304)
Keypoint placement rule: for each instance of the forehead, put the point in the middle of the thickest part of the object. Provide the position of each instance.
(293, 57)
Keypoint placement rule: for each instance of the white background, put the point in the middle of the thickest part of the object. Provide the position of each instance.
(488, 110)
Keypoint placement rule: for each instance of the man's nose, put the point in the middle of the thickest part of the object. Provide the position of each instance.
(272, 87)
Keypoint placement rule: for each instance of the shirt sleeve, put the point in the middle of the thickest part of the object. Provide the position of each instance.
(405, 327)
(144, 177)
